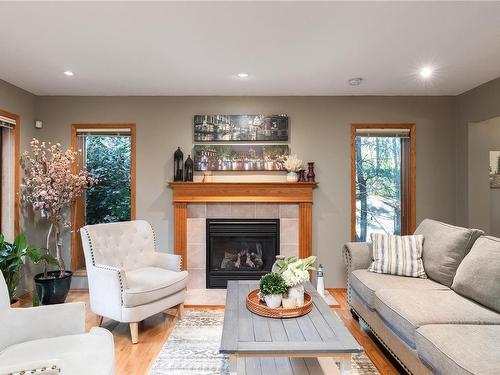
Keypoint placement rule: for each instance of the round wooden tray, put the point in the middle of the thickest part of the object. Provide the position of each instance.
(255, 305)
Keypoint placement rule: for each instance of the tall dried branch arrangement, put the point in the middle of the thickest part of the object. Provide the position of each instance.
(49, 186)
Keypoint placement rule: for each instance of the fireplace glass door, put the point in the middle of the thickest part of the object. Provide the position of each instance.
(240, 249)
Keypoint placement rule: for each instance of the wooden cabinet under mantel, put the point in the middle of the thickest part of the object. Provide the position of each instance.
(264, 192)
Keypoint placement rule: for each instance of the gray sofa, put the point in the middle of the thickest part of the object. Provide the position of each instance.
(448, 323)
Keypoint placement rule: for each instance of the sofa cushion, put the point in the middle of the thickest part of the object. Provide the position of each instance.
(83, 354)
(478, 276)
(458, 349)
(405, 311)
(444, 248)
(366, 283)
(149, 284)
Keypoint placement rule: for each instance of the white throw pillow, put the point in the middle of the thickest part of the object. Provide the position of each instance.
(398, 255)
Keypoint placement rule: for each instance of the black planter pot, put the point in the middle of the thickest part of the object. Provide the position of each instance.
(54, 288)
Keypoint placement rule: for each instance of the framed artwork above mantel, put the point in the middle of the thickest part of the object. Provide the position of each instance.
(240, 128)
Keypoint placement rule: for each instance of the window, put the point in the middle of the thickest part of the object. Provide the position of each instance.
(9, 167)
(108, 153)
(383, 180)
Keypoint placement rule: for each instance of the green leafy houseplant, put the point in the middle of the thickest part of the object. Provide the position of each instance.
(272, 284)
(12, 258)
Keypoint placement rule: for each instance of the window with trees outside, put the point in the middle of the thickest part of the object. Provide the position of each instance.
(383, 180)
(108, 153)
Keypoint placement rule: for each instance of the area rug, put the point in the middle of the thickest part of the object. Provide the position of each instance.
(193, 348)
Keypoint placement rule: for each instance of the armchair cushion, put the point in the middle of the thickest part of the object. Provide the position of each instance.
(149, 284)
(33, 323)
(82, 354)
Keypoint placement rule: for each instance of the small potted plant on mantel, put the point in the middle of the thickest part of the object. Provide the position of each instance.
(13, 257)
(50, 188)
(272, 288)
(292, 164)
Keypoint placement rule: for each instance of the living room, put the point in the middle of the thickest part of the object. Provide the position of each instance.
(162, 162)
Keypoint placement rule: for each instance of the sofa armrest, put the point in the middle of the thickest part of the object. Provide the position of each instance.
(26, 324)
(106, 285)
(357, 255)
(167, 261)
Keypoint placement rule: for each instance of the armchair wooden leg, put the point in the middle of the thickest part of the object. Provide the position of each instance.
(134, 332)
(180, 309)
(99, 319)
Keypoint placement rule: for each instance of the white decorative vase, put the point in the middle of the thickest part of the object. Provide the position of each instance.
(289, 303)
(292, 177)
(273, 300)
(297, 292)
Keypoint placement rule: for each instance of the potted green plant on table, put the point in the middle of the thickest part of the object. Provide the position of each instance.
(272, 288)
(295, 272)
(12, 258)
(50, 188)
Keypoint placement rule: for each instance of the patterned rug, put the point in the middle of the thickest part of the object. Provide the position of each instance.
(193, 349)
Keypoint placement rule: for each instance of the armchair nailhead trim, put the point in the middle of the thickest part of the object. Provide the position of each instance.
(91, 246)
(154, 235)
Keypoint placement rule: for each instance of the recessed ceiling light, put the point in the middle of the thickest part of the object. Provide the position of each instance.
(243, 75)
(426, 72)
(69, 73)
(355, 81)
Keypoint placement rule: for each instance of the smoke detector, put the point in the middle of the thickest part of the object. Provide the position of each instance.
(355, 81)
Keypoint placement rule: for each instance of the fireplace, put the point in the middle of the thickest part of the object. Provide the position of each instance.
(240, 249)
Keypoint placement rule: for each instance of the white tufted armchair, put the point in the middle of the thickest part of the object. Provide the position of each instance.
(128, 280)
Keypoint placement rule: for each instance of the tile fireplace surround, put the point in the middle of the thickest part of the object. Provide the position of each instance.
(195, 202)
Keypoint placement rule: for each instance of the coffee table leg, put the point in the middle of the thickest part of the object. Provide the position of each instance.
(328, 366)
(345, 366)
(233, 365)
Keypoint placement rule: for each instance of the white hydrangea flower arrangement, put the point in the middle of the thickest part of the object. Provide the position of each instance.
(295, 271)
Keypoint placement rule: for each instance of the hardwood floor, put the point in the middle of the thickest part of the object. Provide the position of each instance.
(153, 333)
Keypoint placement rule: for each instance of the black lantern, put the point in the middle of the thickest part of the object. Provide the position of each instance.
(188, 167)
(178, 164)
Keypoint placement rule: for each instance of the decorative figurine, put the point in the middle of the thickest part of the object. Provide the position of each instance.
(310, 174)
(320, 281)
(188, 169)
(302, 175)
(178, 164)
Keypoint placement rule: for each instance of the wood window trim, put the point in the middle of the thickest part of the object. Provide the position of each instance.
(76, 221)
(412, 171)
(17, 172)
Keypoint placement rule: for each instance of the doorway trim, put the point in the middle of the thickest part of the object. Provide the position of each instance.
(412, 171)
(17, 161)
(77, 258)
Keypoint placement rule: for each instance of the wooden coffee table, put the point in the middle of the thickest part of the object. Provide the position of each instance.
(310, 344)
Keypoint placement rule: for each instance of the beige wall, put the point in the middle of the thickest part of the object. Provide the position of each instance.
(476, 105)
(22, 103)
(483, 202)
(320, 131)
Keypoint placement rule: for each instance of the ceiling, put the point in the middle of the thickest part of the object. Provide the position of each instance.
(287, 48)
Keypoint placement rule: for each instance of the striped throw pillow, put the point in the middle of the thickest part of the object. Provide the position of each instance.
(398, 255)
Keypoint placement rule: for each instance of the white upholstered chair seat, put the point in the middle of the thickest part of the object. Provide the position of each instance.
(54, 335)
(83, 354)
(128, 280)
(149, 284)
